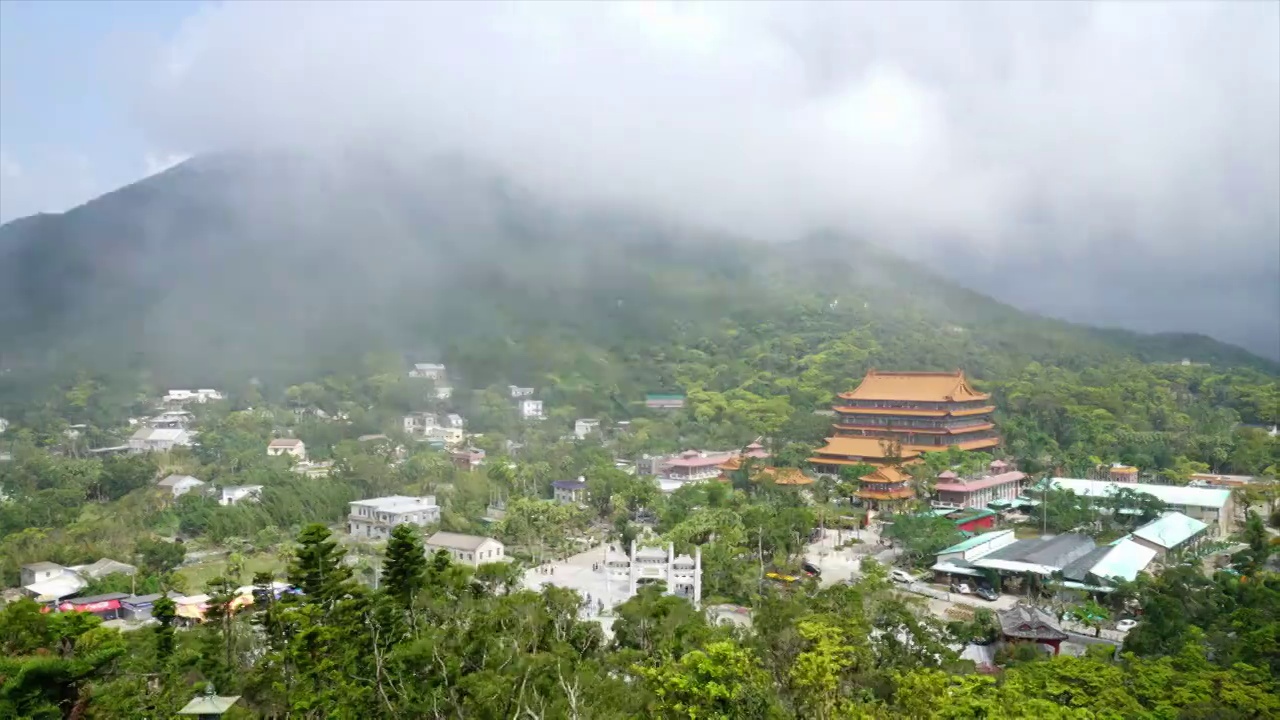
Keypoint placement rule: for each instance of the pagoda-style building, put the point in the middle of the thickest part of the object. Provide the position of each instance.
(893, 417)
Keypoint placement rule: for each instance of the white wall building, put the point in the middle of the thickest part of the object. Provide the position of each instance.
(179, 485)
(443, 392)
(570, 492)
(374, 518)
(470, 550)
(181, 397)
(519, 392)
(419, 423)
(454, 420)
(1212, 506)
(531, 409)
(288, 446)
(448, 435)
(4, 425)
(427, 371)
(585, 426)
(233, 494)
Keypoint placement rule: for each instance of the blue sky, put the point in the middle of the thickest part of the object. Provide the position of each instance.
(67, 130)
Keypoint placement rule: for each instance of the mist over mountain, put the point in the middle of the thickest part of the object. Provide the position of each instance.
(281, 265)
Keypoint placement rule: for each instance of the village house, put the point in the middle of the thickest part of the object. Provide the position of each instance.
(519, 392)
(418, 423)
(654, 401)
(49, 582)
(287, 446)
(152, 439)
(472, 550)
(469, 459)
(314, 469)
(177, 398)
(694, 466)
(375, 518)
(531, 409)
(172, 419)
(570, 492)
(4, 424)
(233, 494)
(447, 436)
(585, 426)
(443, 392)
(427, 371)
(1081, 563)
(454, 420)
(179, 485)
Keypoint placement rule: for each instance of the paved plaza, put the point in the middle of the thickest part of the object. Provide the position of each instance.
(576, 572)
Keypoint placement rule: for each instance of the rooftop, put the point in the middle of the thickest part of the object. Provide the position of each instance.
(958, 485)
(1169, 494)
(40, 566)
(915, 387)
(175, 480)
(1170, 530)
(1124, 559)
(569, 484)
(1030, 623)
(398, 503)
(695, 459)
(456, 541)
(975, 541)
(285, 442)
(866, 447)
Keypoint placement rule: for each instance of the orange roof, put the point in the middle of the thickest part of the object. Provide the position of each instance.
(889, 411)
(964, 445)
(867, 447)
(887, 474)
(732, 463)
(971, 428)
(788, 476)
(915, 387)
(974, 411)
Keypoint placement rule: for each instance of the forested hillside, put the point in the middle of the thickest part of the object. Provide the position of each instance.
(279, 268)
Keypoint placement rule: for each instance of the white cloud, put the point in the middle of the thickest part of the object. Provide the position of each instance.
(157, 163)
(47, 181)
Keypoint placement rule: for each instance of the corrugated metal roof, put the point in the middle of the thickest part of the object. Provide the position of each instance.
(1170, 530)
(1169, 494)
(1125, 560)
(974, 541)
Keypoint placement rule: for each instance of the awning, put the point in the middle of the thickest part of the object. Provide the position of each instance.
(947, 567)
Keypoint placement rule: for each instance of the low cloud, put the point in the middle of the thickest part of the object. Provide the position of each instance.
(1075, 133)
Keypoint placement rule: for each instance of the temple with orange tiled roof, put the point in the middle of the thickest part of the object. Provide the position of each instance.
(886, 486)
(893, 417)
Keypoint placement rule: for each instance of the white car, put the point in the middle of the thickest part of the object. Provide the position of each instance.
(962, 588)
(901, 576)
(1126, 625)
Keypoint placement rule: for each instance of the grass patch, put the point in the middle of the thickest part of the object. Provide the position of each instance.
(197, 576)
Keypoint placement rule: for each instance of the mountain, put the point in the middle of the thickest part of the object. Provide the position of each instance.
(279, 266)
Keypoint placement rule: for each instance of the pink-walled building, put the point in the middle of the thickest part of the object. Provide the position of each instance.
(1001, 484)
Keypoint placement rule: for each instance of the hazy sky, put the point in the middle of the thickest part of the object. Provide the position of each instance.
(1019, 135)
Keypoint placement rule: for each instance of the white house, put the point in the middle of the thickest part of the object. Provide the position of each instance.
(47, 582)
(585, 426)
(427, 371)
(447, 435)
(149, 439)
(374, 518)
(470, 550)
(179, 485)
(288, 446)
(443, 392)
(531, 409)
(233, 494)
(4, 424)
(171, 419)
(1169, 532)
(181, 397)
(519, 392)
(454, 420)
(570, 492)
(418, 423)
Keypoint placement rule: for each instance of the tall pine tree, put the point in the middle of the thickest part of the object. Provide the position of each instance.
(316, 567)
(404, 573)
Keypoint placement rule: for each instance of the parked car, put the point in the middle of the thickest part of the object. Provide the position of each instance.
(901, 576)
(1126, 625)
(810, 569)
(986, 593)
(962, 588)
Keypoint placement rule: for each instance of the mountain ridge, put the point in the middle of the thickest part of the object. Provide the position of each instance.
(238, 266)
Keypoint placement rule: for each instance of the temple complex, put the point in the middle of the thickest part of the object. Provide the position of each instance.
(894, 417)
